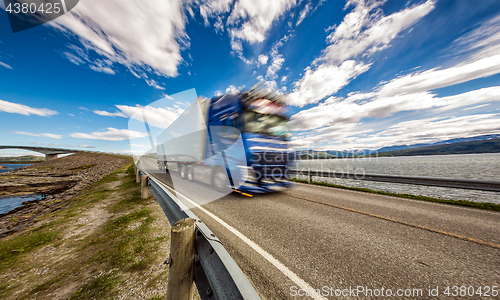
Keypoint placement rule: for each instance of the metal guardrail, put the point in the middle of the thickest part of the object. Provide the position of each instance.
(492, 186)
(216, 274)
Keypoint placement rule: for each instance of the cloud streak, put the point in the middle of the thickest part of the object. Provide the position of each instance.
(112, 134)
(160, 117)
(16, 108)
(48, 135)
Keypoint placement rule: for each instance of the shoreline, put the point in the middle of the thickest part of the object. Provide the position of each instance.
(20, 162)
(58, 181)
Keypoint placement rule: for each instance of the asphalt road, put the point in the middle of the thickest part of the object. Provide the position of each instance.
(342, 239)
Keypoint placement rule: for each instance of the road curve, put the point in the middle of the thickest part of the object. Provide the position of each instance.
(343, 239)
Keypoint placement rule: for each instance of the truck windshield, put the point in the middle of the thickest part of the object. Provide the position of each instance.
(265, 123)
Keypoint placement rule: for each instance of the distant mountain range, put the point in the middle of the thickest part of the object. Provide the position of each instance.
(452, 141)
(480, 146)
(477, 144)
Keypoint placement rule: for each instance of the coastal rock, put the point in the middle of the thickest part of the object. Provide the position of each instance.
(59, 180)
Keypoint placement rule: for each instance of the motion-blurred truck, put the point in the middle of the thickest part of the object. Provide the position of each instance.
(234, 142)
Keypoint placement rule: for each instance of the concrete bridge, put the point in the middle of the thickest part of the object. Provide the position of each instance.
(50, 153)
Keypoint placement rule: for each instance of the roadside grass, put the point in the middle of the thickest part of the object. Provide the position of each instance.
(481, 205)
(90, 265)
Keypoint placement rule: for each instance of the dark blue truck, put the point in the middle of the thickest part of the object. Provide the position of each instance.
(234, 142)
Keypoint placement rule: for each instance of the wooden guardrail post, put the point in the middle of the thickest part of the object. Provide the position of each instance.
(138, 175)
(182, 247)
(135, 169)
(144, 186)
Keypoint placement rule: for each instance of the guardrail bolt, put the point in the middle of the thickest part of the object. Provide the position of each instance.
(209, 292)
(168, 261)
(211, 250)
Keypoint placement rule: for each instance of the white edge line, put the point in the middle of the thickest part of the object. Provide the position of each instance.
(284, 269)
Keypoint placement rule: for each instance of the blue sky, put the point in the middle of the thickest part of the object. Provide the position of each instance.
(357, 75)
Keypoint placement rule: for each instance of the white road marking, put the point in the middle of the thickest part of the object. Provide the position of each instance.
(284, 269)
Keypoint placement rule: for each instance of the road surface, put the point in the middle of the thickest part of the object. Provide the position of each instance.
(345, 242)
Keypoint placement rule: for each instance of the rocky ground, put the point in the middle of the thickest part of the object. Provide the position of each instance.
(60, 180)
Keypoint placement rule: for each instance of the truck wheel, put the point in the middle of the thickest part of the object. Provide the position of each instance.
(183, 171)
(190, 173)
(220, 181)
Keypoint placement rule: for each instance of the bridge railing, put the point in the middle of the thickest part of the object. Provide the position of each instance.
(493, 186)
(216, 274)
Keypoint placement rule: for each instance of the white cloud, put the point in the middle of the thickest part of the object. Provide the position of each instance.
(412, 92)
(86, 146)
(16, 108)
(252, 19)
(324, 81)
(277, 59)
(438, 78)
(159, 117)
(139, 35)
(263, 59)
(214, 8)
(108, 114)
(484, 40)
(5, 65)
(71, 114)
(112, 134)
(154, 84)
(348, 111)
(478, 106)
(303, 13)
(274, 67)
(246, 20)
(232, 89)
(429, 130)
(284, 78)
(49, 135)
(432, 130)
(102, 69)
(363, 30)
(219, 26)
